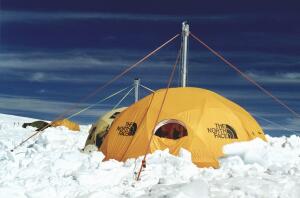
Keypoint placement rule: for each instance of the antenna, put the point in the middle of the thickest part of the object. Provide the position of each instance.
(185, 37)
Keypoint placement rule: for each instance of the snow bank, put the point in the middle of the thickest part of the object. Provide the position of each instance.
(277, 151)
(51, 165)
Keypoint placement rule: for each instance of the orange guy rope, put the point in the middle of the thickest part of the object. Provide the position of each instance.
(143, 165)
(247, 77)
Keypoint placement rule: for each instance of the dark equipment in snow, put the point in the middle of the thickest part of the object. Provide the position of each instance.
(40, 125)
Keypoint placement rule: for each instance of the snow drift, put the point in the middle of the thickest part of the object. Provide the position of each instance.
(51, 165)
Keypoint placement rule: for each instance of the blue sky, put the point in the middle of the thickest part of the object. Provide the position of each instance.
(53, 53)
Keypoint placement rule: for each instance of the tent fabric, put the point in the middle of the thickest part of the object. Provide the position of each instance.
(211, 122)
(67, 123)
(100, 128)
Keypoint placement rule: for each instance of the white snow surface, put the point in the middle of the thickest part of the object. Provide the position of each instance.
(51, 165)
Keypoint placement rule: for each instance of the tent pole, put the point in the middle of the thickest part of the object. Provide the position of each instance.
(137, 82)
(184, 53)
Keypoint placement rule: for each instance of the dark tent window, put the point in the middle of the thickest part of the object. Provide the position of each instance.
(171, 129)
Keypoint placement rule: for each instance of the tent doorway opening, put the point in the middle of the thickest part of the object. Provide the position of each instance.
(171, 129)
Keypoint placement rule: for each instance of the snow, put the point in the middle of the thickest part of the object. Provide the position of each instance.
(52, 165)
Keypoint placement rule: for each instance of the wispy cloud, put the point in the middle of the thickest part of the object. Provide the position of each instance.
(274, 123)
(294, 124)
(54, 108)
(61, 77)
(29, 16)
(276, 78)
(82, 59)
(61, 61)
(15, 16)
(256, 94)
(100, 65)
(263, 58)
(90, 66)
(39, 76)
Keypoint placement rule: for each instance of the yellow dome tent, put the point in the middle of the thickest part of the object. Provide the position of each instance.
(67, 123)
(99, 129)
(195, 119)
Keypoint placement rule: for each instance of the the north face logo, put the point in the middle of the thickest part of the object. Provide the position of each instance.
(128, 130)
(223, 131)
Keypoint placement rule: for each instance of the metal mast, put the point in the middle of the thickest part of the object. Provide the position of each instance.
(137, 82)
(184, 51)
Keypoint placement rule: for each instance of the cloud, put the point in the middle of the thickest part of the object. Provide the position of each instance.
(17, 16)
(32, 16)
(263, 58)
(294, 124)
(241, 94)
(276, 78)
(54, 108)
(95, 66)
(42, 91)
(39, 77)
(60, 61)
(61, 77)
(274, 123)
(99, 66)
(81, 59)
(292, 76)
